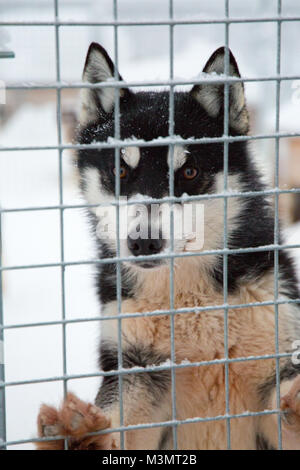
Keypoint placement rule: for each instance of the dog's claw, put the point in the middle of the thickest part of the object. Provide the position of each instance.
(74, 420)
(51, 431)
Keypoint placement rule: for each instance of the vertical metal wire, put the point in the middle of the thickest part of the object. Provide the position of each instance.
(2, 370)
(225, 241)
(61, 213)
(171, 194)
(117, 195)
(276, 222)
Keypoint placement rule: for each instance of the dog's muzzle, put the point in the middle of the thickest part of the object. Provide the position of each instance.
(139, 246)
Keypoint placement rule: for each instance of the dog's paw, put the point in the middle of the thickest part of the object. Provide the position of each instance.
(73, 421)
(290, 408)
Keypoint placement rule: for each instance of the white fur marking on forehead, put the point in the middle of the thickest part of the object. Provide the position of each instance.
(131, 155)
(179, 157)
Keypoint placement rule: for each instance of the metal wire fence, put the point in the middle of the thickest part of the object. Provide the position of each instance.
(169, 142)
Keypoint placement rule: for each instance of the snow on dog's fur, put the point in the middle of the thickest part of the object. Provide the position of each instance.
(198, 280)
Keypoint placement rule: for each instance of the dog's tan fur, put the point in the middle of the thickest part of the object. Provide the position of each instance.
(200, 390)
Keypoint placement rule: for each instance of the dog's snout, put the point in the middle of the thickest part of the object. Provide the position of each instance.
(142, 246)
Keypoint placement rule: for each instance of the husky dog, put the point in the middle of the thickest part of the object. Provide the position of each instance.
(198, 169)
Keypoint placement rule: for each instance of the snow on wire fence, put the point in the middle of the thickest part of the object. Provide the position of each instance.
(170, 141)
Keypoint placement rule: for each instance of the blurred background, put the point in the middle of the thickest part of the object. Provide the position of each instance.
(31, 178)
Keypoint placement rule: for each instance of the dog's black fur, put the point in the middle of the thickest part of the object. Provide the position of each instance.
(145, 115)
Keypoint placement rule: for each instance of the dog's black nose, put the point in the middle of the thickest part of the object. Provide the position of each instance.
(142, 246)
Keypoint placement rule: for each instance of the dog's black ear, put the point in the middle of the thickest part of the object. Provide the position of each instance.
(98, 68)
(211, 95)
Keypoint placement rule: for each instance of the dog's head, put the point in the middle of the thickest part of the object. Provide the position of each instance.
(143, 172)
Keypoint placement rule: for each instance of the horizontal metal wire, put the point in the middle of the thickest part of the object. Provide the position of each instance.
(212, 79)
(139, 370)
(7, 54)
(174, 199)
(152, 425)
(170, 255)
(165, 141)
(153, 313)
(166, 22)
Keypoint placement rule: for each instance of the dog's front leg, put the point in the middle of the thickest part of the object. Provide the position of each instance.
(145, 399)
(146, 396)
(290, 415)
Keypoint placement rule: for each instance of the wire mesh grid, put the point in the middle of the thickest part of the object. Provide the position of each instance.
(169, 142)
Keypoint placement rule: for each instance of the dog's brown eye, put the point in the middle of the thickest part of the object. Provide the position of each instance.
(123, 172)
(190, 173)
